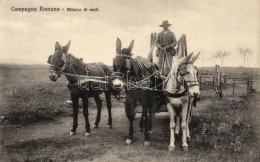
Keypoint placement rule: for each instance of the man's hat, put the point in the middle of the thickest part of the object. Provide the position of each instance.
(165, 23)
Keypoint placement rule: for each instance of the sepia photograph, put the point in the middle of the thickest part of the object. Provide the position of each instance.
(129, 80)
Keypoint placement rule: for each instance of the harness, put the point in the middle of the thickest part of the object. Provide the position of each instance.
(137, 84)
(195, 81)
(68, 65)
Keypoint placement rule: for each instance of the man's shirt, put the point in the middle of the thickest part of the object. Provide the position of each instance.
(166, 38)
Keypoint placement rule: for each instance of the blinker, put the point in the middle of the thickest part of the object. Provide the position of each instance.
(128, 64)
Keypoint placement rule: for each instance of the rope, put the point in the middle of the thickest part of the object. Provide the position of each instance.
(165, 60)
(83, 76)
(146, 78)
(101, 69)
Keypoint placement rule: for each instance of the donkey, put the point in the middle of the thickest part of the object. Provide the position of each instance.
(128, 75)
(61, 62)
(180, 105)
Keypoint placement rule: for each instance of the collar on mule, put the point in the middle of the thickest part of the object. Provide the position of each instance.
(175, 95)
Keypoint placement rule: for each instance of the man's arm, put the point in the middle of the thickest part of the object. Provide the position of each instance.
(173, 44)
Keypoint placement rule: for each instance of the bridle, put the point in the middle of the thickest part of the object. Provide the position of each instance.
(60, 69)
(119, 74)
(195, 81)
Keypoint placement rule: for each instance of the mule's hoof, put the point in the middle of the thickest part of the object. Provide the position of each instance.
(87, 134)
(72, 133)
(177, 132)
(185, 148)
(95, 126)
(171, 148)
(128, 141)
(147, 143)
(109, 126)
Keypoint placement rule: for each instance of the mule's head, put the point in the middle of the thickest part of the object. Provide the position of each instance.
(189, 73)
(57, 61)
(121, 63)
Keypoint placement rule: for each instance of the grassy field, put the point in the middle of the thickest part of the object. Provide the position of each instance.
(35, 124)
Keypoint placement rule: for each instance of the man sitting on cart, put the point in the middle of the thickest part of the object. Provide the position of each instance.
(166, 41)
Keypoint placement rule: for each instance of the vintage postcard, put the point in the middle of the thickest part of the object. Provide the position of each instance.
(117, 80)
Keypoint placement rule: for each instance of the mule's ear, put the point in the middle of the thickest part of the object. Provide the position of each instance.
(118, 46)
(66, 48)
(49, 59)
(131, 46)
(64, 58)
(186, 59)
(58, 47)
(193, 59)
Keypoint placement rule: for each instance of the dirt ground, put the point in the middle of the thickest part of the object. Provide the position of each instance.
(50, 140)
(35, 125)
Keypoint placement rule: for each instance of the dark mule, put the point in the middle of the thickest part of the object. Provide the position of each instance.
(129, 74)
(75, 71)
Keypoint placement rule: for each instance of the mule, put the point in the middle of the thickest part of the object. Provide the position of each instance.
(179, 105)
(129, 75)
(75, 71)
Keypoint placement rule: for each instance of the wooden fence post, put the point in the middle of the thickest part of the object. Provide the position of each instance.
(185, 45)
(220, 85)
(151, 44)
(234, 85)
(213, 81)
(200, 81)
(248, 84)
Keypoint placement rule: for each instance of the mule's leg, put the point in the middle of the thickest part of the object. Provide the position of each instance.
(141, 124)
(187, 127)
(109, 105)
(85, 114)
(75, 103)
(188, 131)
(188, 119)
(99, 105)
(171, 113)
(145, 124)
(129, 110)
(150, 121)
(177, 128)
(184, 126)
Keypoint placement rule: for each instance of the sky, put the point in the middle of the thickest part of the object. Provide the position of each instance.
(29, 37)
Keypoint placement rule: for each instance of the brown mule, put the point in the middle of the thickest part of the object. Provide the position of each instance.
(61, 62)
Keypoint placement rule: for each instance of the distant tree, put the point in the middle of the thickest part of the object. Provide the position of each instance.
(221, 55)
(244, 52)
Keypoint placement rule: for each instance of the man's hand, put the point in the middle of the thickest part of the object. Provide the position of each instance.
(167, 47)
(164, 48)
(158, 46)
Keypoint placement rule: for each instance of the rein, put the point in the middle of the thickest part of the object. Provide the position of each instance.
(165, 59)
(195, 81)
(136, 85)
(89, 78)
